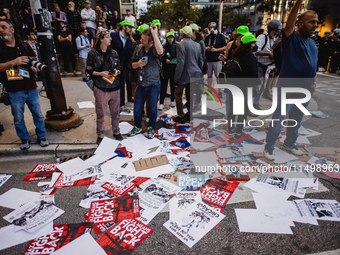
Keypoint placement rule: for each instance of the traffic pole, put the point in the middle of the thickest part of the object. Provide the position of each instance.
(329, 63)
(59, 117)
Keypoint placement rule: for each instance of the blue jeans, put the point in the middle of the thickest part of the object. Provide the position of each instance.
(292, 132)
(151, 92)
(18, 100)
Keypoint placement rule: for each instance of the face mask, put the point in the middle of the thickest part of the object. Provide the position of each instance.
(255, 48)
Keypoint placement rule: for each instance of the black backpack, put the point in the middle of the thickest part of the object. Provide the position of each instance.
(231, 69)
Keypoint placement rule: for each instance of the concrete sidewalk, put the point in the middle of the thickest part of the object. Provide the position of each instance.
(77, 140)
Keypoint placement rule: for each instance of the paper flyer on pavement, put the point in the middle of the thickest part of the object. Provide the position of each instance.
(181, 143)
(235, 172)
(321, 209)
(124, 237)
(4, 178)
(153, 195)
(33, 215)
(62, 183)
(194, 223)
(95, 193)
(190, 182)
(114, 210)
(118, 191)
(216, 193)
(182, 200)
(41, 172)
(290, 186)
(319, 161)
(62, 234)
(86, 173)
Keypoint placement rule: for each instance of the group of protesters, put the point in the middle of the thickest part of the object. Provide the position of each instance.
(138, 62)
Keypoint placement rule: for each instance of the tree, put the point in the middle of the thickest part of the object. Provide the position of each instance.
(208, 14)
(172, 14)
(234, 20)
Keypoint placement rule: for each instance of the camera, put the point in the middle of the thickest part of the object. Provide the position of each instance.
(37, 64)
(4, 98)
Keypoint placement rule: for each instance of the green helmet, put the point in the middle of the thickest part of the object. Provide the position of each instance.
(242, 30)
(142, 27)
(248, 38)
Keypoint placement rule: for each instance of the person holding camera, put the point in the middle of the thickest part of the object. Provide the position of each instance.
(17, 75)
(146, 59)
(103, 65)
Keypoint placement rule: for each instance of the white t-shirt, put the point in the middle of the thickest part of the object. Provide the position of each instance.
(132, 19)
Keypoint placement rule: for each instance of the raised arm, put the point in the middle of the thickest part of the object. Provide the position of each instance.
(290, 25)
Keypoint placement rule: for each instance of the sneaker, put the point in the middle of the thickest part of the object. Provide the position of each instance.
(25, 144)
(293, 150)
(160, 107)
(179, 120)
(99, 140)
(118, 137)
(64, 74)
(269, 154)
(42, 142)
(187, 117)
(151, 133)
(257, 106)
(172, 104)
(231, 130)
(135, 131)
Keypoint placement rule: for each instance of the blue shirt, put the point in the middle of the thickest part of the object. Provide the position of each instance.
(81, 41)
(122, 38)
(299, 60)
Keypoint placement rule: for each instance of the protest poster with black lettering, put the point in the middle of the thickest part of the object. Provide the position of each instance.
(41, 172)
(182, 200)
(62, 234)
(124, 237)
(193, 223)
(114, 210)
(61, 182)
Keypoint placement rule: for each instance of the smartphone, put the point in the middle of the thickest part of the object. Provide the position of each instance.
(144, 59)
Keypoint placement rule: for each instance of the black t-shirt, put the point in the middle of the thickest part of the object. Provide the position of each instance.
(214, 41)
(65, 34)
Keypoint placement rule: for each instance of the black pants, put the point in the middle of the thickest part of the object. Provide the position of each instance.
(241, 118)
(168, 74)
(124, 77)
(67, 54)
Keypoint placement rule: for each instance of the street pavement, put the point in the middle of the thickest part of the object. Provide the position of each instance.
(225, 239)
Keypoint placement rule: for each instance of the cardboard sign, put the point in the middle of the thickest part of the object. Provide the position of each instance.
(151, 162)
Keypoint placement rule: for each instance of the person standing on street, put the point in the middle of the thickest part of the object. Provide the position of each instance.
(265, 56)
(130, 18)
(89, 16)
(66, 49)
(215, 43)
(23, 90)
(146, 59)
(299, 62)
(189, 68)
(103, 65)
(84, 47)
(73, 19)
(122, 43)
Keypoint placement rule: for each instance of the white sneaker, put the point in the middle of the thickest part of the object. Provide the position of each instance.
(172, 104)
(161, 107)
(269, 154)
(293, 150)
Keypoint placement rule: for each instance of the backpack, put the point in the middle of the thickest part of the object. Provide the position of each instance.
(231, 69)
(139, 48)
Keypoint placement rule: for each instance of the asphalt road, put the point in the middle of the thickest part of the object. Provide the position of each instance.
(225, 239)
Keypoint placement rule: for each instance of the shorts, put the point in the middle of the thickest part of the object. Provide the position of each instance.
(91, 33)
(215, 67)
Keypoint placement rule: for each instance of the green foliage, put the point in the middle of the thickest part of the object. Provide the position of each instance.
(233, 19)
(208, 14)
(322, 10)
(173, 14)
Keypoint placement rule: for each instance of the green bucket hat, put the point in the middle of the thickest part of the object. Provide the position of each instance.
(142, 27)
(248, 38)
(170, 34)
(194, 27)
(186, 30)
(242, 30)
(156, 22)
(126, 23)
